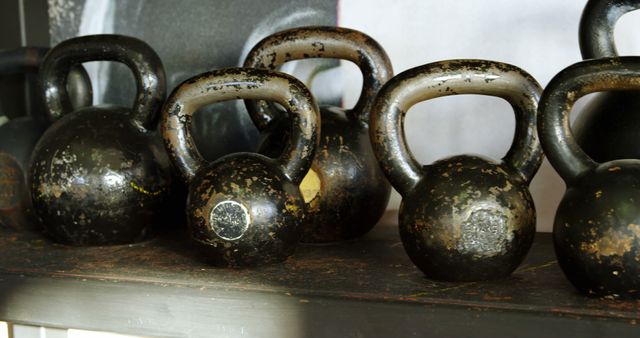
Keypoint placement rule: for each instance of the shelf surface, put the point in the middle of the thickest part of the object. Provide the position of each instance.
(366, 287)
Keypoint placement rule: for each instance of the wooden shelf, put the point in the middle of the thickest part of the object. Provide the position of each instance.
(366, 287)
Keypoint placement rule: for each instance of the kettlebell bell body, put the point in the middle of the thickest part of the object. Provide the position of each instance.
(607, 128)
(345, 191)
(19, 136)
(99, 175)
(244, 209)
(596, 230)
(463, 218)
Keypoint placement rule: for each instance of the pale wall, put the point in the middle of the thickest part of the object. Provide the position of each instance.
(539, 36)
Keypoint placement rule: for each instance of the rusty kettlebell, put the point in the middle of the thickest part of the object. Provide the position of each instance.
(100, 175)
(19, 136)
(607, 129)
(597, 226)
(463, 218)
(244, 209)
(345, 190)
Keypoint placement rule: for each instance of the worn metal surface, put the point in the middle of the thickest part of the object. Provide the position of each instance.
(191, 37)
(607, 128)
(20, 134)
(365, 287)
(243, 209)
(99, 175)
(597, 225)
(462, 218)
(345, 190)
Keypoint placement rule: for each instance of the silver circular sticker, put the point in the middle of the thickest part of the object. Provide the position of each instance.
(229, 220)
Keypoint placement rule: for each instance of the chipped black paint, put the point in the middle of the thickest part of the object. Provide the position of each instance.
(99, 175)
(350, 192)
(607, 128)
(464, 218)
(19, 136)
(597, 226)
(243, 209)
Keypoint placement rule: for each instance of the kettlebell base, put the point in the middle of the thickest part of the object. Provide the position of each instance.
(93, 238)
(217, 258)
(465, 273)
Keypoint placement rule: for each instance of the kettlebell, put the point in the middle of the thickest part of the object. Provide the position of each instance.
(608, 127)
(345, 190)
(19, 136)
(463, 218)
(596, 232)
(244, 209)
(100, 175)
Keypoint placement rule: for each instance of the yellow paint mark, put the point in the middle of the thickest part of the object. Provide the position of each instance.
(615, 169)
(143, 190)
(291, 207)
(310, 186)
(598, 193)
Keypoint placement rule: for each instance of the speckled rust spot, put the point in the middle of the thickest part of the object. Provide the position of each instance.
(613, 242)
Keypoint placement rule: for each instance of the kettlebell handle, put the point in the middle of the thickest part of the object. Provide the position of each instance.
(446, 78)
(597, 26)
(249, 84)
(321, 42)
(28, 59)
(582, 78)
(136, 54)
